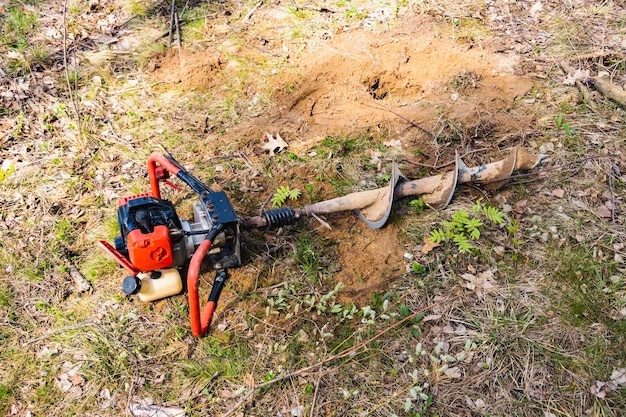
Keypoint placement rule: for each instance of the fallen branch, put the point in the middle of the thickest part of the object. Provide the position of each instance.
(67, 75)
(314, 8)
(608, 90)
(584, 90)
(170, 34)
(604, 87)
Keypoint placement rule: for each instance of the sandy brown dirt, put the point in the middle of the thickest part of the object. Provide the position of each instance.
(344, 87)
(345, 84)
(192, 70)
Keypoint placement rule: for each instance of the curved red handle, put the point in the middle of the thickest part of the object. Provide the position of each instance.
(199, 325)
(153, 159)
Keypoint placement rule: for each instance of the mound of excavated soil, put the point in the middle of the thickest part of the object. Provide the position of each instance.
(415, 70)
(346, 83)
(346, 87)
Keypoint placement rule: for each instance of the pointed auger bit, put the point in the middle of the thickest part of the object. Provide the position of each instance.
(437, 191)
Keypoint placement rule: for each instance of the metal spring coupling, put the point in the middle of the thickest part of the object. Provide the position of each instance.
(280, 217)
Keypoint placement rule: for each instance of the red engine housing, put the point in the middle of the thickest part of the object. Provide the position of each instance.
(145, 224)
(150, 251)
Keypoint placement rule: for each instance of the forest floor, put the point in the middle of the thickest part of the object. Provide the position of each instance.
(529, 320)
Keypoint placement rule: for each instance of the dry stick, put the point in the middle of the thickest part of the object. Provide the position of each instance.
(180, 62)
(606, 88)
(314, 8)
(419, 164)
(267, 200)
(347, 352)
(251, 12)
(67, 74)
(57, 331)
(317, 386)
(611, 170)
(170, 33)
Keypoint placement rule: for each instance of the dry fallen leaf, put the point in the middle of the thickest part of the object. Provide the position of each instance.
(453, 372)
(81, 285)
(576, 76)
(481, 283)
(145, 408)
(274, 144)
(429, 245)
(559, 193)
(604, 211)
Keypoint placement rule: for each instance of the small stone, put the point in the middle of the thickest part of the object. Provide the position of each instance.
(297, 411)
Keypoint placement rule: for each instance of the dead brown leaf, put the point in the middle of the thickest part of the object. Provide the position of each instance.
(559, 193)
(481, 283)
(429, 245)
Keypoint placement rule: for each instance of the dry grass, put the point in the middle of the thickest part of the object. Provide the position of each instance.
(534, 344)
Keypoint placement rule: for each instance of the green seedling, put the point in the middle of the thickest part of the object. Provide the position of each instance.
(464, 228)
(284, 193)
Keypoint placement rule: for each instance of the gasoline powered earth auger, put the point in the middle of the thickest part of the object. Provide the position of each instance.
(155, 245)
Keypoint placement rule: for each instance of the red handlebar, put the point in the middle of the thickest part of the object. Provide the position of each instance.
(199, 325)
(152, 168)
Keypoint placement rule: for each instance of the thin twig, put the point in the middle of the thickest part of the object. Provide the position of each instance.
(67, 74)
(409, 121)
(251, 12)
(178, 45)
(611, 192)
(345, 353)
(314, 8)
(267, 200)
(170, 33)
(317, 386)
(322, 222)
(57, 331)
(447, 163)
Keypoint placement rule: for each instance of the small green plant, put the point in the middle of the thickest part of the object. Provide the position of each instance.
(464, 227)
(418, 268)
(17, 24)
(354, 13)
(284, 193)
(417, 205)
(491, 213)
(560, 124)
